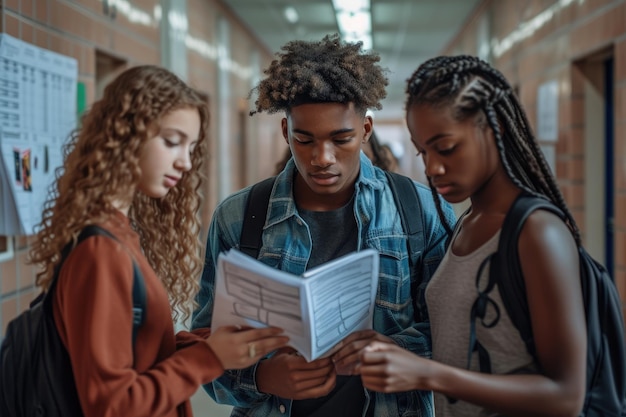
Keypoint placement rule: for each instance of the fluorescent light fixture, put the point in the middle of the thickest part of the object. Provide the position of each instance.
(351, 5)
(354, 20)
(291, 14)
(359, 22)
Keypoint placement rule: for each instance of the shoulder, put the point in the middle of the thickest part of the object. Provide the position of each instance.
(380, 181)
(228, 217)
(100, 251)
(98, 264)
(231, 209)
(236, 202)
(427, 201)
(544, 229)
(546, 247)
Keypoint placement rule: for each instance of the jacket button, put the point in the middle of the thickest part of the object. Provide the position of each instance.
(282, 408)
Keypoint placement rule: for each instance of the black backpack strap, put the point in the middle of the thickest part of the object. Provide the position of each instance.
(251, 238)
(506, 266)
(412, 219)
(505, 270)
(408, 203)
(139, 300)
(409, 209)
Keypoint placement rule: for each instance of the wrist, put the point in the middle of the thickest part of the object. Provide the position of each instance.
(260, 382)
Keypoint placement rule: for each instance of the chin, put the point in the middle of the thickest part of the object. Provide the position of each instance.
(454, 198)
(155, 193)
(322, 189)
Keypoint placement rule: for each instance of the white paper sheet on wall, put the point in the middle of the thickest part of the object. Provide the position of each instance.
(37, 114)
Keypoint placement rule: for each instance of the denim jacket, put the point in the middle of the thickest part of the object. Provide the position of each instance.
(287, 246)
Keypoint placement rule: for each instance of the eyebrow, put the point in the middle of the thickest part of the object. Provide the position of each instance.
(437, 137)
(333, 133)
(173, 129)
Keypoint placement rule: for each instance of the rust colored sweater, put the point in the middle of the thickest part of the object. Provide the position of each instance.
(93, 313)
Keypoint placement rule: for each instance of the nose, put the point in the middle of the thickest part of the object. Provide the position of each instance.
(434, 167)
(183, 162)
(323, 154)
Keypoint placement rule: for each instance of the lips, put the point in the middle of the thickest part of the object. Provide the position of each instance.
(171, 181)
(442, 189)
(324, 178)
(325, 175)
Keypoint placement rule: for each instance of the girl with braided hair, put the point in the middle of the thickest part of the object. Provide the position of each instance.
(477, 144)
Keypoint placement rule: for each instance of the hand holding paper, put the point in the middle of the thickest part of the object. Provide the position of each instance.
(316, 310)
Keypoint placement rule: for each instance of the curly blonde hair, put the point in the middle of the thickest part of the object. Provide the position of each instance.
(101, 167)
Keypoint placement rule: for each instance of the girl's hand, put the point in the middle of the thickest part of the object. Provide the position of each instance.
(239, 348)
(346, 353)
(386, 367)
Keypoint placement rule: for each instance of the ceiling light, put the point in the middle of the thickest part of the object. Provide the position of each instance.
(291, 14)
(351, 5)
(359, 22)
(354, 20)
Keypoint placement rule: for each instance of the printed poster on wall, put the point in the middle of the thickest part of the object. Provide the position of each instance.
(37, 114)
(548, 120)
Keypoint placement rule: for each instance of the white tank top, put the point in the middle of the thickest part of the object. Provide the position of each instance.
(449, 297)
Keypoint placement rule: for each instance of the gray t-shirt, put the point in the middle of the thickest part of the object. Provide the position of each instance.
(449, 297)
(334, 233)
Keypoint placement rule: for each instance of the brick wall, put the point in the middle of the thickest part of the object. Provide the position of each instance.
(130, 34)
(567, 37)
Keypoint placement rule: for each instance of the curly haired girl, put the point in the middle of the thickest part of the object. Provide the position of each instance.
(133, 168)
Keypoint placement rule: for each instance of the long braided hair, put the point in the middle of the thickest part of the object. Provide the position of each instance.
(468, 86)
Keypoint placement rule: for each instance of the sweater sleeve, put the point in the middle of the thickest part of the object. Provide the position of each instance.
(93, 312)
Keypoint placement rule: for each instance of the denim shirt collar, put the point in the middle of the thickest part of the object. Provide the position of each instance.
(282, 203)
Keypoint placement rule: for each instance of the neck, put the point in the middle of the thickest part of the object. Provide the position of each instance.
(307, 199)
(495, 196)
(121, 207)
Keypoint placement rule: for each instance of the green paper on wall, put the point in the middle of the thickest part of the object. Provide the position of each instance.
(81, 99)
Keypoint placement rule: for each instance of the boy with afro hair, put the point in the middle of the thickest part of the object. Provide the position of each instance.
(328, 201)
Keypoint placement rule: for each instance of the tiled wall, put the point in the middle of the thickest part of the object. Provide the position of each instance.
(555, 40)
(131, 33)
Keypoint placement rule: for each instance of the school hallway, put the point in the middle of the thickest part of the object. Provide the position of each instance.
(566, 60)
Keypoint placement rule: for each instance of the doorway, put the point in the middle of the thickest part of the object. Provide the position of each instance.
(107, 68)
(599, 140)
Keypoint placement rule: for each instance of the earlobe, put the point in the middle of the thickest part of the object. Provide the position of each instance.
(368, 126)
(284, 128)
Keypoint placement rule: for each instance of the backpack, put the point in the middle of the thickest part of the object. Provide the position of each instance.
(36, 373)
(606, 348)
(251, 239)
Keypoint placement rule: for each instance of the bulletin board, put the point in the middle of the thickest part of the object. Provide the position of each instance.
(37, 114)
